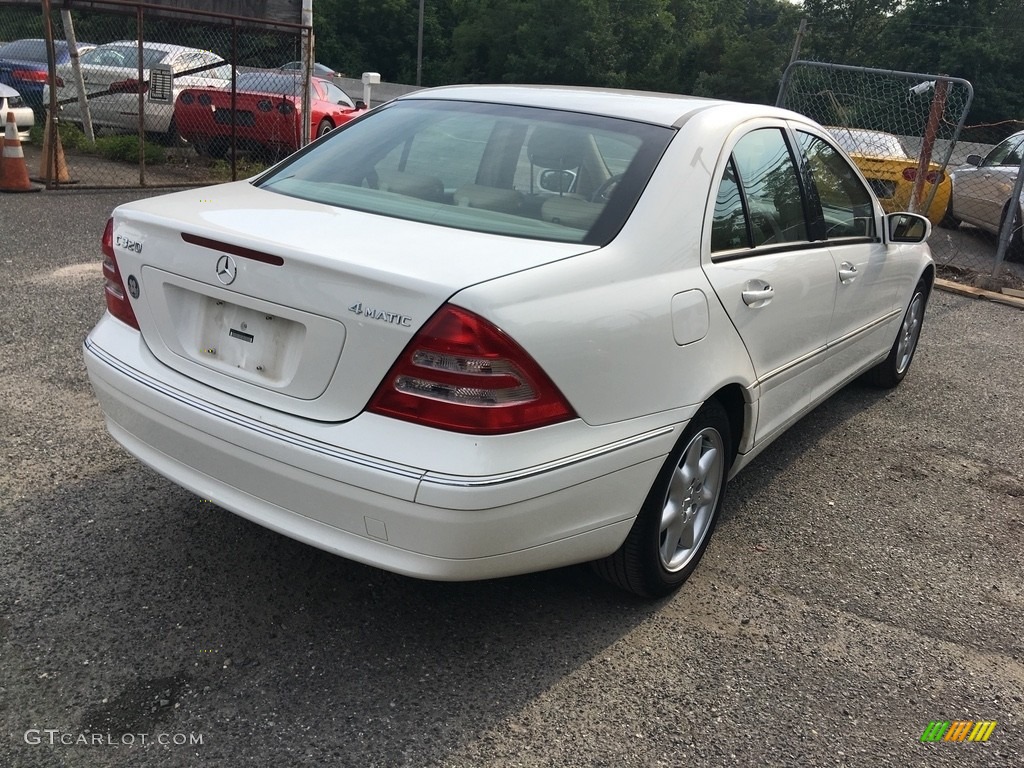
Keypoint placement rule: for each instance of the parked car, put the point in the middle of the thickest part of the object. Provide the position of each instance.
(268, 113)
(891, 170)
(319, 70)
(410, 345)
(11, 101)
(982, 190)
(111, 74)
(23, 66)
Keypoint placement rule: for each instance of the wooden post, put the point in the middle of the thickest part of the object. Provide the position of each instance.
(931, 128)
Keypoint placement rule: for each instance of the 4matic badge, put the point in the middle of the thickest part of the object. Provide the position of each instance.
(379, 314)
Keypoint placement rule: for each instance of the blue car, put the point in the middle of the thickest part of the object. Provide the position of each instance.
(23, 67)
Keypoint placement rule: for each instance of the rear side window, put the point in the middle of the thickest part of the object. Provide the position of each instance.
(759, 200)
(497, 168)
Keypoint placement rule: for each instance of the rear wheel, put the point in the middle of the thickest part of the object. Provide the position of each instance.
(674, 526)
(949, 221)
(325, 127)
(218, 148)
(891, 371)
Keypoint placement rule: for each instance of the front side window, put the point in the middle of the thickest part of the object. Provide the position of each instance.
(1006, 152)
(845, 202)
(495, 168)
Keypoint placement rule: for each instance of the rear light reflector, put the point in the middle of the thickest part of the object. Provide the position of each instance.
(113, 286)
(464, 374)
(264, 105)
(30, 75)
(205, 99)
(932, 177)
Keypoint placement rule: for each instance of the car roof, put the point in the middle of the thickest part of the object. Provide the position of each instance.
(6, 91)
(665, 109)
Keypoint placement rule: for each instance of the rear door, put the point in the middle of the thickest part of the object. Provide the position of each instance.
(777, 286)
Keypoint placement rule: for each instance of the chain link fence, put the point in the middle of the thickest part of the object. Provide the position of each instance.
(906, 132)
(156, 97)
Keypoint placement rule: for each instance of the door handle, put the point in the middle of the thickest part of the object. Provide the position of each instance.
(847, 273)
(757, 293)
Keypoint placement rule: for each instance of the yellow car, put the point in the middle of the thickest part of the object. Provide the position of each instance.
(891, 171)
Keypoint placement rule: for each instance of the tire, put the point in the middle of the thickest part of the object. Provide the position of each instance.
(171, 138)
(218, 148)
(891, 371)
(1015, 250)
(949, 221)
(661, 551)
(325, 127)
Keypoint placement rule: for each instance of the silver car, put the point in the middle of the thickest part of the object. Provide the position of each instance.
(11, 102)
(111, 78)
(982, 191)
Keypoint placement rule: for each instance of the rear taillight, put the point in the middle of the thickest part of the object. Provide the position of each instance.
(129, 86)
(186, 97)
(285, 107)
(464, 374)
(113, 287)
(30, 75)
(932, 177)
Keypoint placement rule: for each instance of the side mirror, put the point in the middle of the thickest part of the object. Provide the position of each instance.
(557, 181)
(360, 104)
(907, 227)
(974, 160)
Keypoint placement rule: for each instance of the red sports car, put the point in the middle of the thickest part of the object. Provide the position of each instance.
(267, 113)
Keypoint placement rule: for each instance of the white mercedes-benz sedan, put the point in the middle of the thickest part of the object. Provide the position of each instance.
(486, 330)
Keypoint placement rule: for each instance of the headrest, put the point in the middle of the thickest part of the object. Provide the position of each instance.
(556, 148)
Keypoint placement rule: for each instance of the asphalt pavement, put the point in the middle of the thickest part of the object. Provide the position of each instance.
(864, 582)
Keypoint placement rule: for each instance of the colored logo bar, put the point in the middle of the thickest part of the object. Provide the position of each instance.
(958, 730)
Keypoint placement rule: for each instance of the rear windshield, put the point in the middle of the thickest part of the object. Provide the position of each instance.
(270, 82)
(507, 170)
(126, 56)
(25, 50)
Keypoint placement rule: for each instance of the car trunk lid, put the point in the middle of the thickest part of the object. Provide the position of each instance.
(296, 305)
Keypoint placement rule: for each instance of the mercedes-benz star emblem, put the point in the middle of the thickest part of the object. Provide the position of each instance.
(227, 270)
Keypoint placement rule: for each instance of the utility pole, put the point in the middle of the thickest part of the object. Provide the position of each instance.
(799, 39)
(419, 49)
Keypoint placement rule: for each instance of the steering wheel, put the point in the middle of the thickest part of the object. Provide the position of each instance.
(604, 192)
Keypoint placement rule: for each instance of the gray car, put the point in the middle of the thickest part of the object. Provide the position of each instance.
(982, 190)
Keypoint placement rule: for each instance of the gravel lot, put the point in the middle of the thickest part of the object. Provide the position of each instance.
(864, 581)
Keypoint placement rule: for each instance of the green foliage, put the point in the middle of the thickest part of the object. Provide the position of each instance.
(126, 149)
(121, 148)
(726, 48)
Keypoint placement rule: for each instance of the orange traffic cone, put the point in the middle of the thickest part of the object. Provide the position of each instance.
(13, 170)
(52, 165)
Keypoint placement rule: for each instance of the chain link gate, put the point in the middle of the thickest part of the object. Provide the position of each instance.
(905, 130)
(120, 115)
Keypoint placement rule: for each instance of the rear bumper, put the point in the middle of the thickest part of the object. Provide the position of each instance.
(368, 508)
